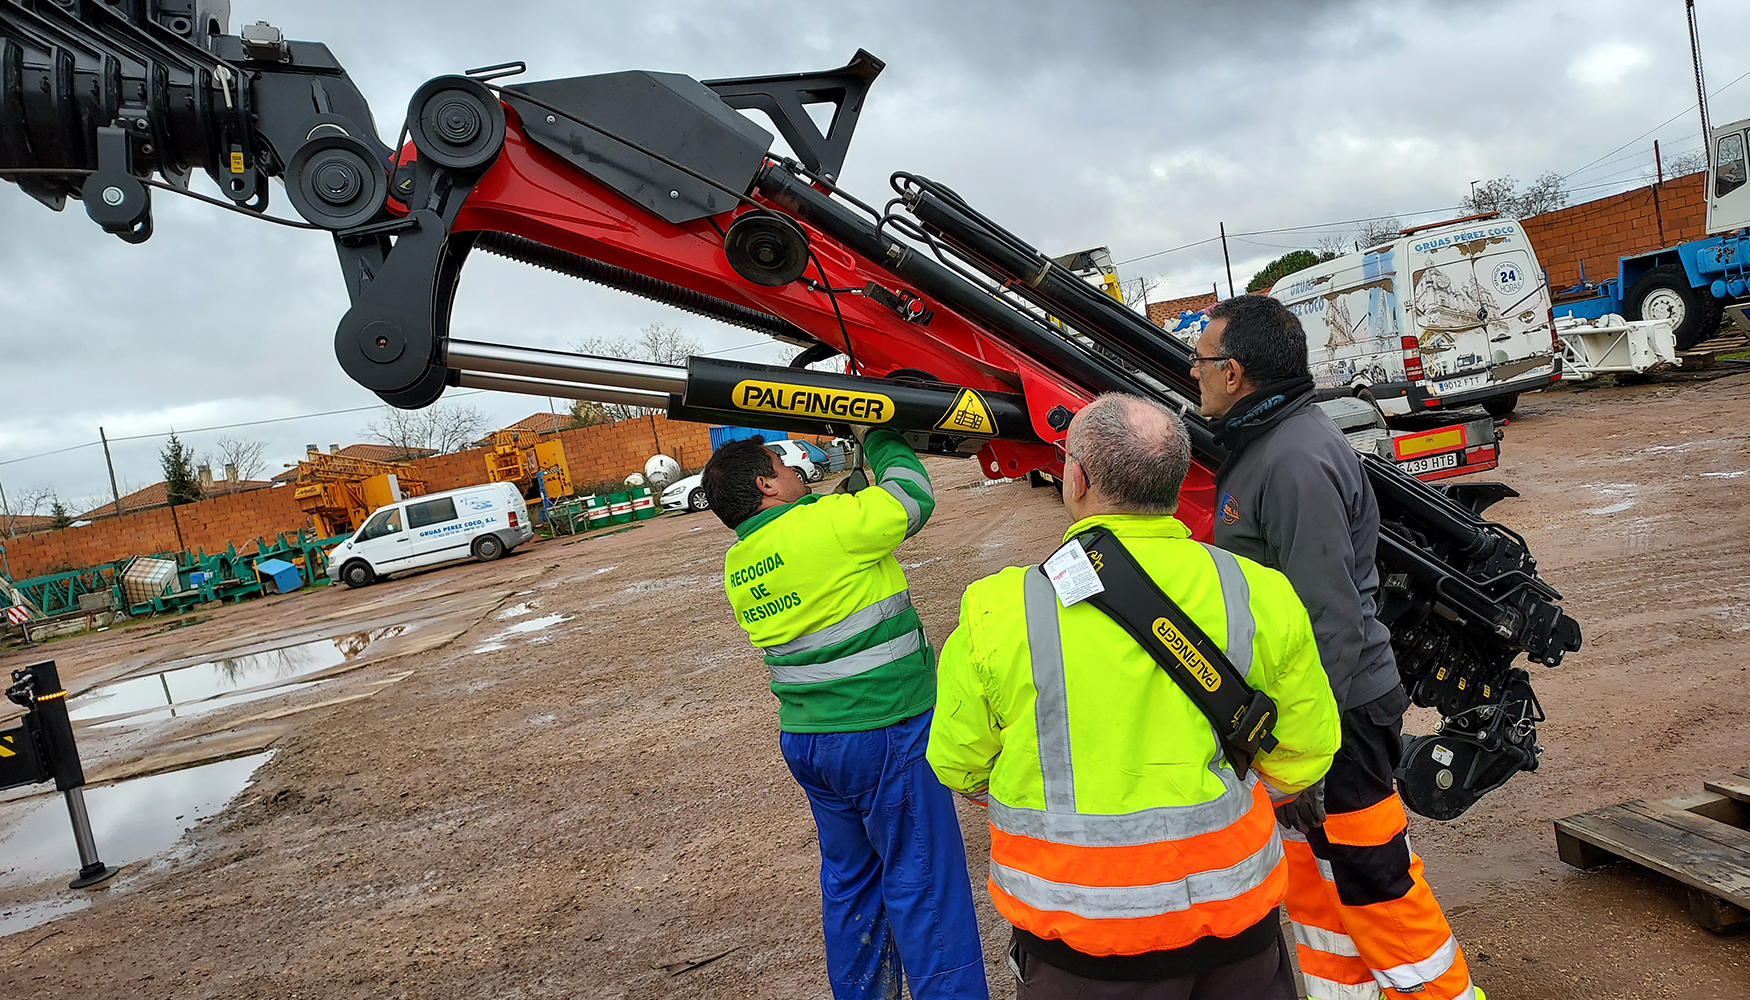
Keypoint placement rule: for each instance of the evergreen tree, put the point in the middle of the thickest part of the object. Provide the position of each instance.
(1284, 266)
(58, 516)
(181, 483)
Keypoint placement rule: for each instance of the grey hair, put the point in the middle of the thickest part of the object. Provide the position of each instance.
(1263, 336)
(1134, 451)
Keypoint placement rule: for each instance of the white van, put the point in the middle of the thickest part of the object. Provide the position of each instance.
(475, 522)
(1448, 315)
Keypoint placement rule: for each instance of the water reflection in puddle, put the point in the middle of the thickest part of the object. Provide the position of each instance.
(499, 641)
(168, 691)
(24, 916)
(132, 820)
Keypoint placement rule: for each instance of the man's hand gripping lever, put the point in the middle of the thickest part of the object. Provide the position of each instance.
(390, 340)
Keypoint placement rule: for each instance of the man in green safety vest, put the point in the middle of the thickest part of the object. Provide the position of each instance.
(814, 583)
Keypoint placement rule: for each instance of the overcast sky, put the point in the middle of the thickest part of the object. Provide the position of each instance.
(1138, 126)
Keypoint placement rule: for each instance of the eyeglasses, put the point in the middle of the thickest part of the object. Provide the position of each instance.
(1216, 360)
(1064, 458)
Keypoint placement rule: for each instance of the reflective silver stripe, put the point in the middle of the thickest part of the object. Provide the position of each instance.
(1411, 975)
(1050, 700)
(1144, 826)
(1130, 902)
(1325, 871)
(1330, 942)
(1236, 596)
(915, 478)
(1325, 989)
(1294, 835)
(850, 665)
(914, 515)
(839, 631)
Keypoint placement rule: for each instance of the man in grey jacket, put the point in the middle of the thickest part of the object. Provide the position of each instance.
(1293, 496)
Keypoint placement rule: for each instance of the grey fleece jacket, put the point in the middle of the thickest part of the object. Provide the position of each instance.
(1297, 500)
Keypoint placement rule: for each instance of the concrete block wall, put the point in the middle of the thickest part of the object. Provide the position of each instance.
(1596, 233)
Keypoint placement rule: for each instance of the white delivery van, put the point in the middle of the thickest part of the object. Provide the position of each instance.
(1449, 315)
(475, 522)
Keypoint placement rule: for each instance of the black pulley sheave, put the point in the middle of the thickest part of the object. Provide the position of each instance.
(456, 122)
(766, 248)
(335, 182)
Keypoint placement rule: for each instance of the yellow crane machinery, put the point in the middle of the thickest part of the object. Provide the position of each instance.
(537, 467)
(340, 492)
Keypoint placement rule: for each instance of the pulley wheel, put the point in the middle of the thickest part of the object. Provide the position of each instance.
(456, 122)
(336, 182)
(766, 248)
(420, 394)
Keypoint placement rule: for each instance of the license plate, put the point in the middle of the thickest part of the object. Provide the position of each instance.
(1430, 463)
(1452, 385)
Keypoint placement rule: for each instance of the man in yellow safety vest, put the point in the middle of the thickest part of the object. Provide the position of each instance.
(1133, 860)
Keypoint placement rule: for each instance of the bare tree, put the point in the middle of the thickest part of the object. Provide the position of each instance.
(439, 428)
(247, 456)
(1377, 231)
(1546, 194)
(34, 502)
(660, 343)
(1335, 245)
(834, 363)
(1683, 163)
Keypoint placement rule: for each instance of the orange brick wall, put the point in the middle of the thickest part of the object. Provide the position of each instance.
(237, 519)
(606, 451)
(1598, 232)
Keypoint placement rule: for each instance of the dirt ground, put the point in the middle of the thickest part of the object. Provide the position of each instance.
(561, 777)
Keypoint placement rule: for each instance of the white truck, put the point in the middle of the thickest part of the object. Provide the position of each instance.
(1447, 315)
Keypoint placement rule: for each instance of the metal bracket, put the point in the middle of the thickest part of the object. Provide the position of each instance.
(786, 98)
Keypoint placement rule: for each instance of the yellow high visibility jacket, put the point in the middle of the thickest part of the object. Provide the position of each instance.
(815, 585)
(1117, 825)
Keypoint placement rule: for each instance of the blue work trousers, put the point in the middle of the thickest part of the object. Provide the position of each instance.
(895, 896)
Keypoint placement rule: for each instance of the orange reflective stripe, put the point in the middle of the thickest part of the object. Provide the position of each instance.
(1335, 968)
(1367, 827)
(1141, 864)
(1135, 935)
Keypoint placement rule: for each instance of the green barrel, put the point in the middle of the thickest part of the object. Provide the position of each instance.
(644, 504)
(619, 508)
(596, 509)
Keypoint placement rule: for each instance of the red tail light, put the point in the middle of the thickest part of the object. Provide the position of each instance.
(1412, 358)
(513, 518)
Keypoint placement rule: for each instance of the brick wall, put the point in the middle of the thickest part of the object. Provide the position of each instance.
(1167, 311)
(1598, 232)
(606, 451)
(237, 519)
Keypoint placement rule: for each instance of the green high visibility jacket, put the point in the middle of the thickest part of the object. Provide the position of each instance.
(1136, 740)
(815, 585)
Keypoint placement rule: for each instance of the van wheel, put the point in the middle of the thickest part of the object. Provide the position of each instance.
(488, 548)
(357, 574)
(1500, 406)
(698, 501)
(1665, 293)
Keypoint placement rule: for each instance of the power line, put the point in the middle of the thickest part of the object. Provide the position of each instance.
(1657, 127)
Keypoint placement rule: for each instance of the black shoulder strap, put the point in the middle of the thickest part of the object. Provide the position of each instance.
(1241, 715)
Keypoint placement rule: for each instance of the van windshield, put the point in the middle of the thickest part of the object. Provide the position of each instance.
(387, 522)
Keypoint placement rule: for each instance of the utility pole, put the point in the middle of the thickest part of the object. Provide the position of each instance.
(6, 510)
(1225, 260)
(106, 461)
(1658, 182)
(1473, 192)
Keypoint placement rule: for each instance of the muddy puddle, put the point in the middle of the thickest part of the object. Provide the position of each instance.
(132, 821)
(529, 626)
(203, 687)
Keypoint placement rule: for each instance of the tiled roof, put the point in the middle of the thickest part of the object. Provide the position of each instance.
(540, 423)
(370, 453)
(158, 495)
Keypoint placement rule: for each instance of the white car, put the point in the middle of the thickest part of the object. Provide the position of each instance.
(689, 493)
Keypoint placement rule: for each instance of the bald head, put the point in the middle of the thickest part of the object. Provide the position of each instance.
(1133, 452)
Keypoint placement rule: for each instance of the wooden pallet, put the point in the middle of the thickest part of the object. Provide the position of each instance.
(1702, 355)
(1702, 841)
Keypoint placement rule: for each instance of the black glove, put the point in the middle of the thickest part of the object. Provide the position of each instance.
(1304, 811)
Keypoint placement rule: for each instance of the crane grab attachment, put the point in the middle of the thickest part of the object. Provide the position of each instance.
(953, 329)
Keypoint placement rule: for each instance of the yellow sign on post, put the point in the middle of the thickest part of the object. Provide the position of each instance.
(968, 415)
